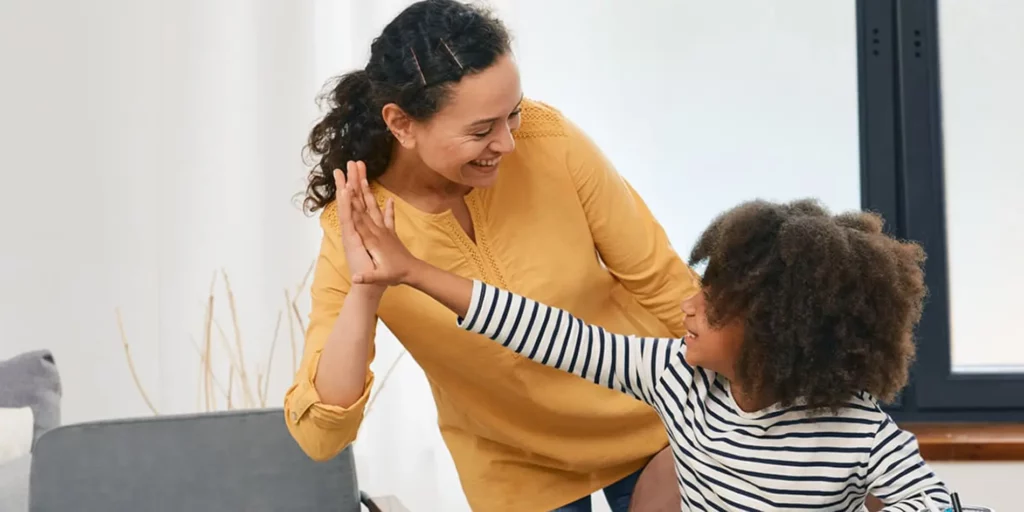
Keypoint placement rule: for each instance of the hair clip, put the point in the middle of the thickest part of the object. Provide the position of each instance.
(450, 52)
(418, 68)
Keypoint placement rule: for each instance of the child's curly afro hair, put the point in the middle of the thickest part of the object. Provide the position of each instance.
(829, 302)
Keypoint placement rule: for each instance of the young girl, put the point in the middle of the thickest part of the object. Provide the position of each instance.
(769, 401)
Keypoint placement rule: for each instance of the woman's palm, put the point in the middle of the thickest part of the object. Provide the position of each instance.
(359, 261)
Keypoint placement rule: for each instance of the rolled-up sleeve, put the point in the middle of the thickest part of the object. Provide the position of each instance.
(323, 430)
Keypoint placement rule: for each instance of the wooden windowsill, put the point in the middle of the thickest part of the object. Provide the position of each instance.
(969, 441)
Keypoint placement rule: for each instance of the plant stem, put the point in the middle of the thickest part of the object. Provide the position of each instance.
(131, 364)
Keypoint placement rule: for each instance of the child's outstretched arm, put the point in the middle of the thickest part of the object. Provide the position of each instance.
(553, 337)
(547, 335)
(898, 476)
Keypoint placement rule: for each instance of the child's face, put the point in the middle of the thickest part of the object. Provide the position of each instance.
(715, 349)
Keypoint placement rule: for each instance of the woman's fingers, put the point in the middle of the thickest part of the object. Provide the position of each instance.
(352, 184)
(361, 188)
(369, 200)
(389, 214)
(370, 277)
(344, 203)
(339, 188)
(339, 182)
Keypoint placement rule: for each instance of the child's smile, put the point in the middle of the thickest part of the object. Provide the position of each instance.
(713, 348)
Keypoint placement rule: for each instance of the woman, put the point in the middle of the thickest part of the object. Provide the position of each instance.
(479, 178)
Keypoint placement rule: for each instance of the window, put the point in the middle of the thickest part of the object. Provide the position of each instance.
(941, 117)
(982, 80)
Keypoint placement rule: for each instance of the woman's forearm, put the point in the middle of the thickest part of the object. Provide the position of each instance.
(341, 373)
(453, 291)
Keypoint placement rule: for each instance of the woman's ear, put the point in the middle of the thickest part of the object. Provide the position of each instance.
(399, 124)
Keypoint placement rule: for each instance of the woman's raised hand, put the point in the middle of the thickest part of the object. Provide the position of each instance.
(358, 258)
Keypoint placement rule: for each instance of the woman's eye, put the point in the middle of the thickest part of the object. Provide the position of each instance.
(514, 116)
(514, 120)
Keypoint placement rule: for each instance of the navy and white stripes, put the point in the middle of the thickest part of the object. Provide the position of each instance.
(726, 459)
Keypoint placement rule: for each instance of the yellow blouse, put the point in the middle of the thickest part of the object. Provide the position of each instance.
(559, 226)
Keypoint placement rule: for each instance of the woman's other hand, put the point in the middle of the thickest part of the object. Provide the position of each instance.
(358, 258)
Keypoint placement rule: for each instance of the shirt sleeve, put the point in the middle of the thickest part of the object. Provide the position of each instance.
(898, 476)
(324, 430)
(553, 337)
(631, 243)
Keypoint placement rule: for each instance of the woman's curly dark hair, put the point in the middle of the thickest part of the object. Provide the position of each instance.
(829, 302)
(419, 55)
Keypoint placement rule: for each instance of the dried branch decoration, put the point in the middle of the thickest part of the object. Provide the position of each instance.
(213, 395)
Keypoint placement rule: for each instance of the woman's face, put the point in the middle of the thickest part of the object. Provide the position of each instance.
(465, 140)
(713, 348)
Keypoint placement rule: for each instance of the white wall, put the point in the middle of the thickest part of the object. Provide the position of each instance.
(989, 484)
(146, 145)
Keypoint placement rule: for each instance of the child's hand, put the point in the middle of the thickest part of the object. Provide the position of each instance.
(392, 262)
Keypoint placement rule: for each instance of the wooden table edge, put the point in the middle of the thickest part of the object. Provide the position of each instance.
(947, 442)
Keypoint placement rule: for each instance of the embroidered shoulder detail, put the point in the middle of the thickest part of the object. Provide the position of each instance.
(539, 120)
(329, 216)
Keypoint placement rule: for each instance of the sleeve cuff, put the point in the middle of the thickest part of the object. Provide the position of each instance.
(304, 402)
(473, 320)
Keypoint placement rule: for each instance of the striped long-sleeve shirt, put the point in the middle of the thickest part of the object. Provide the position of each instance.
(726, 459)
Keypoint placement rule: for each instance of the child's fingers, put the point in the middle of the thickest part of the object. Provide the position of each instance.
(371, 205)
(364, 226)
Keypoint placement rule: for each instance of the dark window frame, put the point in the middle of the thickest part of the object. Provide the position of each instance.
(902, 179)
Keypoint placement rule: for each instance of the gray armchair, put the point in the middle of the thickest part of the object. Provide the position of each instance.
(231, 462)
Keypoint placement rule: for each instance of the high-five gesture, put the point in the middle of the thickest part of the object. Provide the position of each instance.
(392, 262)
(346, 197)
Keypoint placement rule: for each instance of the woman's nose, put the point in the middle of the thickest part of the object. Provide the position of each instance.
(504, 143)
